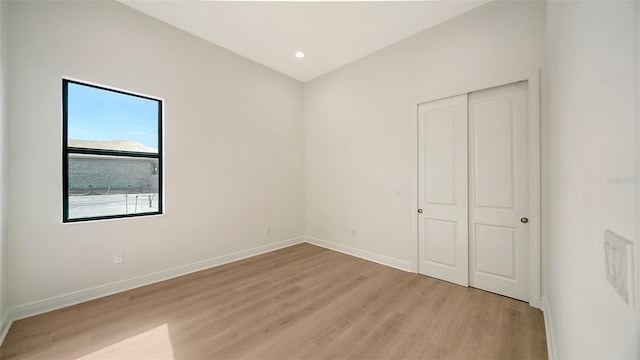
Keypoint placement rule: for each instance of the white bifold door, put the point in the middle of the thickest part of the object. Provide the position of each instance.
(473, 190)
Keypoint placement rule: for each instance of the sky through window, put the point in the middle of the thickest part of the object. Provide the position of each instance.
(104, 115)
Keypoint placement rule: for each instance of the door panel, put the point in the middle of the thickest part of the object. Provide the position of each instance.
(442, 189)
(442, 239)
(439, 160)
(499, 190)
(495, 251)
(493, 149)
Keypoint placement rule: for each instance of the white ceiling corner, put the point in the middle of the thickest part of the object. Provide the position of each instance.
(331, 33)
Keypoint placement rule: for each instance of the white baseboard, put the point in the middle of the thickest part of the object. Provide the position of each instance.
(58, 302)
(377, 258)
(5, 324)
(548, 329)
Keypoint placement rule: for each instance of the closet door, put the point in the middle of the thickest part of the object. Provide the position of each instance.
(442, 190)
(499, 190)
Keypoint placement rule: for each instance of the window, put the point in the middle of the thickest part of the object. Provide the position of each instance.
(112, 153)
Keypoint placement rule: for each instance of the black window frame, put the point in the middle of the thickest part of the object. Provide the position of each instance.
(67, 150)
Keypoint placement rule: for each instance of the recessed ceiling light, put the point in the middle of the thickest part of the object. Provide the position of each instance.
(299, 54)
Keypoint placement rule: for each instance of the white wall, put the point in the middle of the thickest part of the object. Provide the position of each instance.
(239, 158)
(233, 148)
(4, 26)
(592, 99)
(358, 168)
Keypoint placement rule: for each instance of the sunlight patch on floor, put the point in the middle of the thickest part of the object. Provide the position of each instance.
(151, 344)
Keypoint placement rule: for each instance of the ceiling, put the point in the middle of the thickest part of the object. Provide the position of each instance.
(330, 33)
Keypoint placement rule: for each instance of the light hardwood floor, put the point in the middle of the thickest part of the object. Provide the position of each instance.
(302, 302)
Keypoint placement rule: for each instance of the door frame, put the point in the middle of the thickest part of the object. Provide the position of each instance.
(533, 79)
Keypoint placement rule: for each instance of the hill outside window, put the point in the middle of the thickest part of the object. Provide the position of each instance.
(112, 153)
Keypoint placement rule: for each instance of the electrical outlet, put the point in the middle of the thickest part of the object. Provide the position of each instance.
(619, 265)
(353, 232)
(119, 258)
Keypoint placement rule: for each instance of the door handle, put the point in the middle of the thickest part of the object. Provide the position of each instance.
(524, 220)
(419, 211)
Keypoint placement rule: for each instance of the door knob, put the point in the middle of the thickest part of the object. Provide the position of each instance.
(419, 211)
(524, 220)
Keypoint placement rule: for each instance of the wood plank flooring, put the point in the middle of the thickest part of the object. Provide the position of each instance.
(302, 302)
